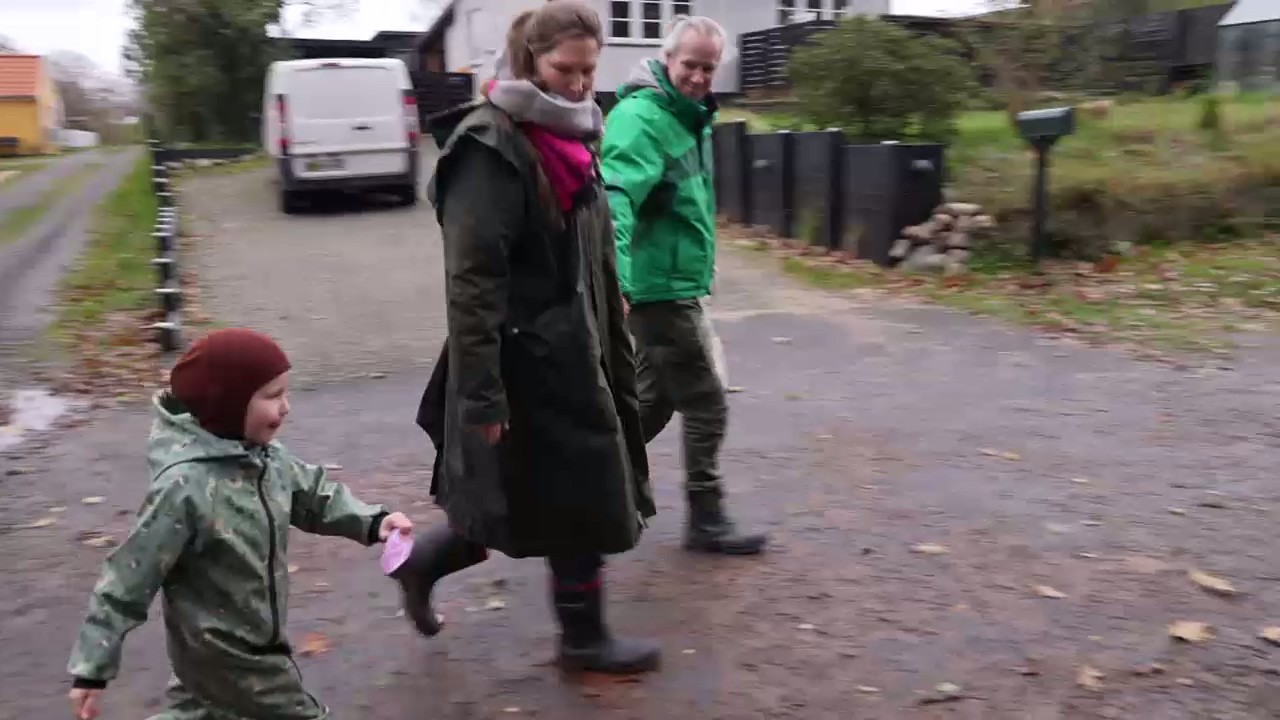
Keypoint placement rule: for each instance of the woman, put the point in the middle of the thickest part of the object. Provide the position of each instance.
(532, 406)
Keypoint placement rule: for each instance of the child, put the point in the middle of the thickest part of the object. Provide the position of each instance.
(213, 533)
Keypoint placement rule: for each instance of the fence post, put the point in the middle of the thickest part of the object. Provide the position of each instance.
(788, 172)
(835, 189)
(742, 140)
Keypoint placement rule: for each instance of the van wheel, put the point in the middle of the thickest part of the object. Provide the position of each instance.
(409, 195)
(289, 203)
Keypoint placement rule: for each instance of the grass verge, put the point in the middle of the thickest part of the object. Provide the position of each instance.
(114, 273)
(15, 223)
(1187, 300)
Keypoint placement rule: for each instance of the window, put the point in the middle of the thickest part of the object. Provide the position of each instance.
(620, 19)
(815, 10)
(652, 23)
(840, 8)
(644, 20)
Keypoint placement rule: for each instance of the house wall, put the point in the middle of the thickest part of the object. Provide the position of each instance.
(480, 27)
(20, 118)
(51, 116)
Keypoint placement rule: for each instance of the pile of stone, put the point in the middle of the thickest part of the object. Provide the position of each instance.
(944, 243)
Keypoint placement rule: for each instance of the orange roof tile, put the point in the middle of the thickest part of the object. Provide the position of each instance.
(19, 75)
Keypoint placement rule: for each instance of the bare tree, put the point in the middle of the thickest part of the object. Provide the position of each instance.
(7, 45)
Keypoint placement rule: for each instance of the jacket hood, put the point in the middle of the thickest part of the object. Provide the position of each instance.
(176, 437)
(650, 78)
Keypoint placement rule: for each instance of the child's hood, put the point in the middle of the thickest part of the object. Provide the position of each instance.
(176, 437)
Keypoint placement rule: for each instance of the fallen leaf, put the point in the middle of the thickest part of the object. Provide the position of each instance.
(1091, 523)
(95, 500)
(58, 509)
(1186, 682)
(1011, 456)
(1047, 592)
(806, 626)
(512, 710)
(1176, 511)
(1081, 481)
(43, 522)
(1086, 555)
(868, 689)
(946, 687)
(782, 340)
(1271, 634)
(1191, 631)
(689, 651)
(332, 467)
(1212, 583)
(1089, 678)
(292, 569)
(930, 549)
(100, 541)
(734, 389)
(495, 604)
(314, 644)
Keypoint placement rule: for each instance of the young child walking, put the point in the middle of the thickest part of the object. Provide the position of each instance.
(213, 534)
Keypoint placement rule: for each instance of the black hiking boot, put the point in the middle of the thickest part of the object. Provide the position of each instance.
(586, 645)
(437, 552)
(708, 530)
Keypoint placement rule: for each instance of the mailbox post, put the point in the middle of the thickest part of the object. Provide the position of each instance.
(1042, 129)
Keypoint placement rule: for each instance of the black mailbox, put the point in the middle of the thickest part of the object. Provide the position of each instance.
(1047, 125)
(1041, 129)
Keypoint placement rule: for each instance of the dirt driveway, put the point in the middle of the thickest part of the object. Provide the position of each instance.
(969, 520)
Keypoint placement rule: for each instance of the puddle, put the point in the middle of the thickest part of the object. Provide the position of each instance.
(32, 411)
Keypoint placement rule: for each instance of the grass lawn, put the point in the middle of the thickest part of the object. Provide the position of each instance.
(15, 223)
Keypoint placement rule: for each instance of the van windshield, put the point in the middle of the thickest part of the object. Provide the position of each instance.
(345, 93)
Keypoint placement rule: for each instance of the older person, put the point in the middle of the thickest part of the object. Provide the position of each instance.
(657, 167)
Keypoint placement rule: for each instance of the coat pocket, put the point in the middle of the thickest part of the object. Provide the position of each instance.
(556, 366)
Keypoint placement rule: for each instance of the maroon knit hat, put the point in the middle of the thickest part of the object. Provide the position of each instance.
(218, 376)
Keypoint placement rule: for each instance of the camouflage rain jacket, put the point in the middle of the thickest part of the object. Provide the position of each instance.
(212, 533)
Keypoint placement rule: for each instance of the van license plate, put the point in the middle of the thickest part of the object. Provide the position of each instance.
(325, 164)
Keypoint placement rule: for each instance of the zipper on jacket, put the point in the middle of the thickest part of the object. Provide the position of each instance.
(271, 558)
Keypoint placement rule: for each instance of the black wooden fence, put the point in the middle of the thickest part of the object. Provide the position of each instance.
(165, 234)
(437, 92)
(817, 187)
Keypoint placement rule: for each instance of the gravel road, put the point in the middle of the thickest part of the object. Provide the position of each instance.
(928, 477)
(32, 266)
(368, 298)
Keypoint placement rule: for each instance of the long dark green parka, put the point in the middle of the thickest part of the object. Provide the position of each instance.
(537, 339)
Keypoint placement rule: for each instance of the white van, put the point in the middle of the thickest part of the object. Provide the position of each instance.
(341, 123)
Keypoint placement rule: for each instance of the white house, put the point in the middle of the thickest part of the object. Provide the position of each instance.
(472, 31)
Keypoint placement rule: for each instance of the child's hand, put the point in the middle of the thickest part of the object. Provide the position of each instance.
(84, 702)
(393, 522)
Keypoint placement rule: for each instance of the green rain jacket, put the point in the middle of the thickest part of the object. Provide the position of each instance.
(212, 534)
(657, 166)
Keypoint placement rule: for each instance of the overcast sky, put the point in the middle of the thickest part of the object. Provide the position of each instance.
(97, 28)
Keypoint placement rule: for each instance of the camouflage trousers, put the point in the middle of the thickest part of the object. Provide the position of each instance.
(274, 695)
(676, 372)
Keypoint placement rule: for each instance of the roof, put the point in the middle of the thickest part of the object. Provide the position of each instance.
(442, 22)
(1247, 12)
(19, 75)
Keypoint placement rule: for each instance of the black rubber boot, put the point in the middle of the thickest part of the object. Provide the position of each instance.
(437, 552)
(586, 645)
(708, 530)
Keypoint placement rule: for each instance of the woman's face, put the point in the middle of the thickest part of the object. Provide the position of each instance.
(570, 69)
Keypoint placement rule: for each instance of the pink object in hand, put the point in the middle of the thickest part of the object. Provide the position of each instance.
(395, 551)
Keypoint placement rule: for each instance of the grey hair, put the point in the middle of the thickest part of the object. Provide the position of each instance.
(700, 24)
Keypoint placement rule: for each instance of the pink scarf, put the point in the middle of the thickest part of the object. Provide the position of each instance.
(566, 161)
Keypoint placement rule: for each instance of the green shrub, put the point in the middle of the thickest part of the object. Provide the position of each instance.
(879, 82)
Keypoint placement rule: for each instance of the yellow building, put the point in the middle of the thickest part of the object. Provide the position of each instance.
(30, 107)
